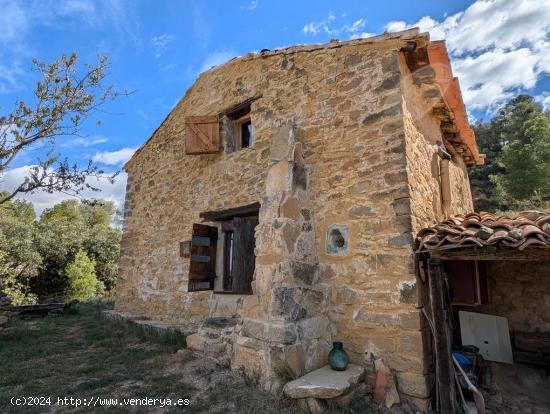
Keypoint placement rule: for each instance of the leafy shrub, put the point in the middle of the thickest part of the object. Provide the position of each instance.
(13, 288)
(82, 281)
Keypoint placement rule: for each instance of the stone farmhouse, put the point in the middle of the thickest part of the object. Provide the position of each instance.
(275, 209)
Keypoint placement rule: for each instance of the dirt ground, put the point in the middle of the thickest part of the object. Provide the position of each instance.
(518, 388)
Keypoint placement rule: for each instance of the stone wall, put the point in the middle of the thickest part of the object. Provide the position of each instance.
(422, 133)
(367, 143)
(520, 291)
(423, 206)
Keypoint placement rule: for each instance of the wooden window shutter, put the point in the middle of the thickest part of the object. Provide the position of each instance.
(202, 135)
(243, 259)
(202, 269)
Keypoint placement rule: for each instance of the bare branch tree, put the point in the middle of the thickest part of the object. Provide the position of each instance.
(64, 97)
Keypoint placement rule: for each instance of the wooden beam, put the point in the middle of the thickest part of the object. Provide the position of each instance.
(444, 365)
(220, 215)
(236, 111)
(492, 253)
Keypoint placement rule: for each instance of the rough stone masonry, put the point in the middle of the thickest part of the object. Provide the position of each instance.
(347, 136)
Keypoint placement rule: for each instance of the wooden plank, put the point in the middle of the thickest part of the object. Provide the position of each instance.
(200, 259)
(243, 260)
(220, 215)
(201, 241)
(491, 253)
(532, 358)
(203, 138)
(240, 109)
(201, 119)
(444, 365)
(38, 308)
(538, 342)
(203, 257)
(202, 135)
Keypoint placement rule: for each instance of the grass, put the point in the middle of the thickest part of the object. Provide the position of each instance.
(81, 354)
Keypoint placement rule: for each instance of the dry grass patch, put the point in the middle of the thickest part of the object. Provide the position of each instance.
(81, 354)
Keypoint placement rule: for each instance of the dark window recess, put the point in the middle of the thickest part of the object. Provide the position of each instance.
(237, 128)
(238, 236)
(246, 134)
(227, 258)
(239, 259)
(202, 267)
(468, 280)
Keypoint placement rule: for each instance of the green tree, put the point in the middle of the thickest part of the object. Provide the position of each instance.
(82, 282)
(35, 254)
(65, 96)
(12, 284)
(490, 143)
(71, 226)
(526, 163)
(61, 233)
(20, 262)
(103, 240)
(517, 170)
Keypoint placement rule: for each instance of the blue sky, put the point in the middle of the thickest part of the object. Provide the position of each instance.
(158, 48)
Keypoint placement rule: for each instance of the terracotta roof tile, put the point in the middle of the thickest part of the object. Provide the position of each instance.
(527, 229)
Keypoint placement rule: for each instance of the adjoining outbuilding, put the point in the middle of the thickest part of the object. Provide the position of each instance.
(489, 287)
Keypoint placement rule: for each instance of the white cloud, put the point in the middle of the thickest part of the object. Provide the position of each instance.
(160, 43)
(493, 76)
(215, 59)
(114, 157)
(13, 21)
(250, 6)
(362, 35)
(396, 26)
(498, 47)
(9, 76)
(14, 25)
(76, 7)
(352, 30)
(85, 142)
(544, 100)
(355, 26)
(41, 200)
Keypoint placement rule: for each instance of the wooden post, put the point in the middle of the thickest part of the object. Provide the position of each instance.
(444, 364)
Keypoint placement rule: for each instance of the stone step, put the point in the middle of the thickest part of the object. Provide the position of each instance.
(225, 305)
(214, 337)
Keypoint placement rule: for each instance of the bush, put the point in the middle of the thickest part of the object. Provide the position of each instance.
(82, 281)
(16, 290)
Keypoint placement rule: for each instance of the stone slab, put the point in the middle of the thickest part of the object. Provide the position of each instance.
(325, 383)
(159, 327)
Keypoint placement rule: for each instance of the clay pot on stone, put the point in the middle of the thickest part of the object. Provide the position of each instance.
(338, 359)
